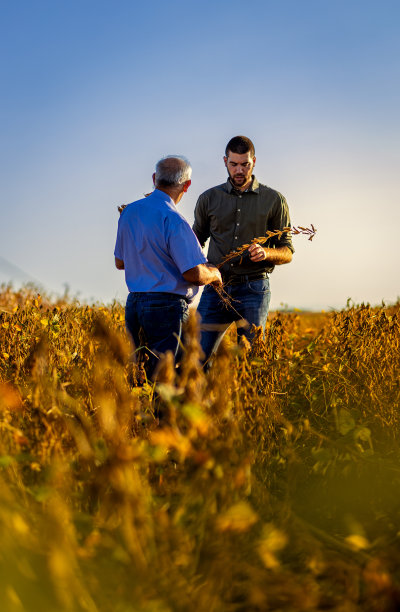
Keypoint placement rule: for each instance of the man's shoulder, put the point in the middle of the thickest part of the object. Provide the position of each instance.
(268, 191)
(263, 188)
(175, 217)
(129, 208)
(150, 205)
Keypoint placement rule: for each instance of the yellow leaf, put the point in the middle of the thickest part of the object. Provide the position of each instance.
(9, 396)
(19, 524)
(171, 438)
(6, 355)
(346, 421)
(44, 322)
(239, 518)
(357, 542)
(272, 541)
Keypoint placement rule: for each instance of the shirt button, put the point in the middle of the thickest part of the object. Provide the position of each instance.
(237, 223)
(235, 237)
(238, 209)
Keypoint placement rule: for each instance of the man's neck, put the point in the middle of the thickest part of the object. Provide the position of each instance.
(172, 193)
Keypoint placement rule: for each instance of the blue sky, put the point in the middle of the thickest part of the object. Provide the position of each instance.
(94, 92)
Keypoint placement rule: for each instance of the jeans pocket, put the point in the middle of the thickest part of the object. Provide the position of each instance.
(259, 286)
(163, 303)
(164, 315)
(154, 307)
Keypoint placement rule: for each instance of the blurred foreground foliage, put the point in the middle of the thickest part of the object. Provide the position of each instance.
(273, 487)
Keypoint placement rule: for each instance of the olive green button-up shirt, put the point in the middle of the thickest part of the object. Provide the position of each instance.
(231, 218)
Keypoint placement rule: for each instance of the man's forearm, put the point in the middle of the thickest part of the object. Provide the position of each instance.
(203, 274)
(276, 257)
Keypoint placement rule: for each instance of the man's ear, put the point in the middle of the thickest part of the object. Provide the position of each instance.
(154, 178)
(226, 161)
(186, 185)
(254, 161)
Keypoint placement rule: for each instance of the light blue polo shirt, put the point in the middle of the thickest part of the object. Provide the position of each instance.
(157, 245)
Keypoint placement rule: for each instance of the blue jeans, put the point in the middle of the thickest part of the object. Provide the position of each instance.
(154, 321)
(251, 303)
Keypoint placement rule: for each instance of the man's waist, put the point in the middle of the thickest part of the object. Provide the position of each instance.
(239, 279)
(157, 295)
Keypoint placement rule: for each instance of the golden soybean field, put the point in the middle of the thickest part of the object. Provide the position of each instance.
(275, 485)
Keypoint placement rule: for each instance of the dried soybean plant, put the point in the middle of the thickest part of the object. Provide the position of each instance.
(226, 299)
(239, 252)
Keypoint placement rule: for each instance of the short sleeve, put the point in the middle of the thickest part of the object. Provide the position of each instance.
(184, 248)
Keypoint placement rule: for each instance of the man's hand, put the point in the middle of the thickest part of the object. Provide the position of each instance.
(257, 252)
(217, 274)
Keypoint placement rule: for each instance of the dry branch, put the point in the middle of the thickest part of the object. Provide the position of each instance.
(306, 231)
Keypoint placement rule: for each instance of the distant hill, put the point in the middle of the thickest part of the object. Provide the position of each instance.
(10, 273)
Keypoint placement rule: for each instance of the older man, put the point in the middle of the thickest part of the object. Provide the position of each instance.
(233, 214)
(163, 262)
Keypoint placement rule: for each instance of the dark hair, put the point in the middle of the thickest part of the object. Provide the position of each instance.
(240, 145)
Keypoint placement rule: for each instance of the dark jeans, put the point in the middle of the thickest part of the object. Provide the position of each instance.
(154, 321)
(251, 303)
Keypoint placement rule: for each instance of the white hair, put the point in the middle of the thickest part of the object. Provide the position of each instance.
(172, 171)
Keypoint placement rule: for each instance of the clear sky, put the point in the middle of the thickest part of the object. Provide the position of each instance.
(94, 92)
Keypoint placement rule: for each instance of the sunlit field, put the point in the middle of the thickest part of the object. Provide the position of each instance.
(274, 484)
